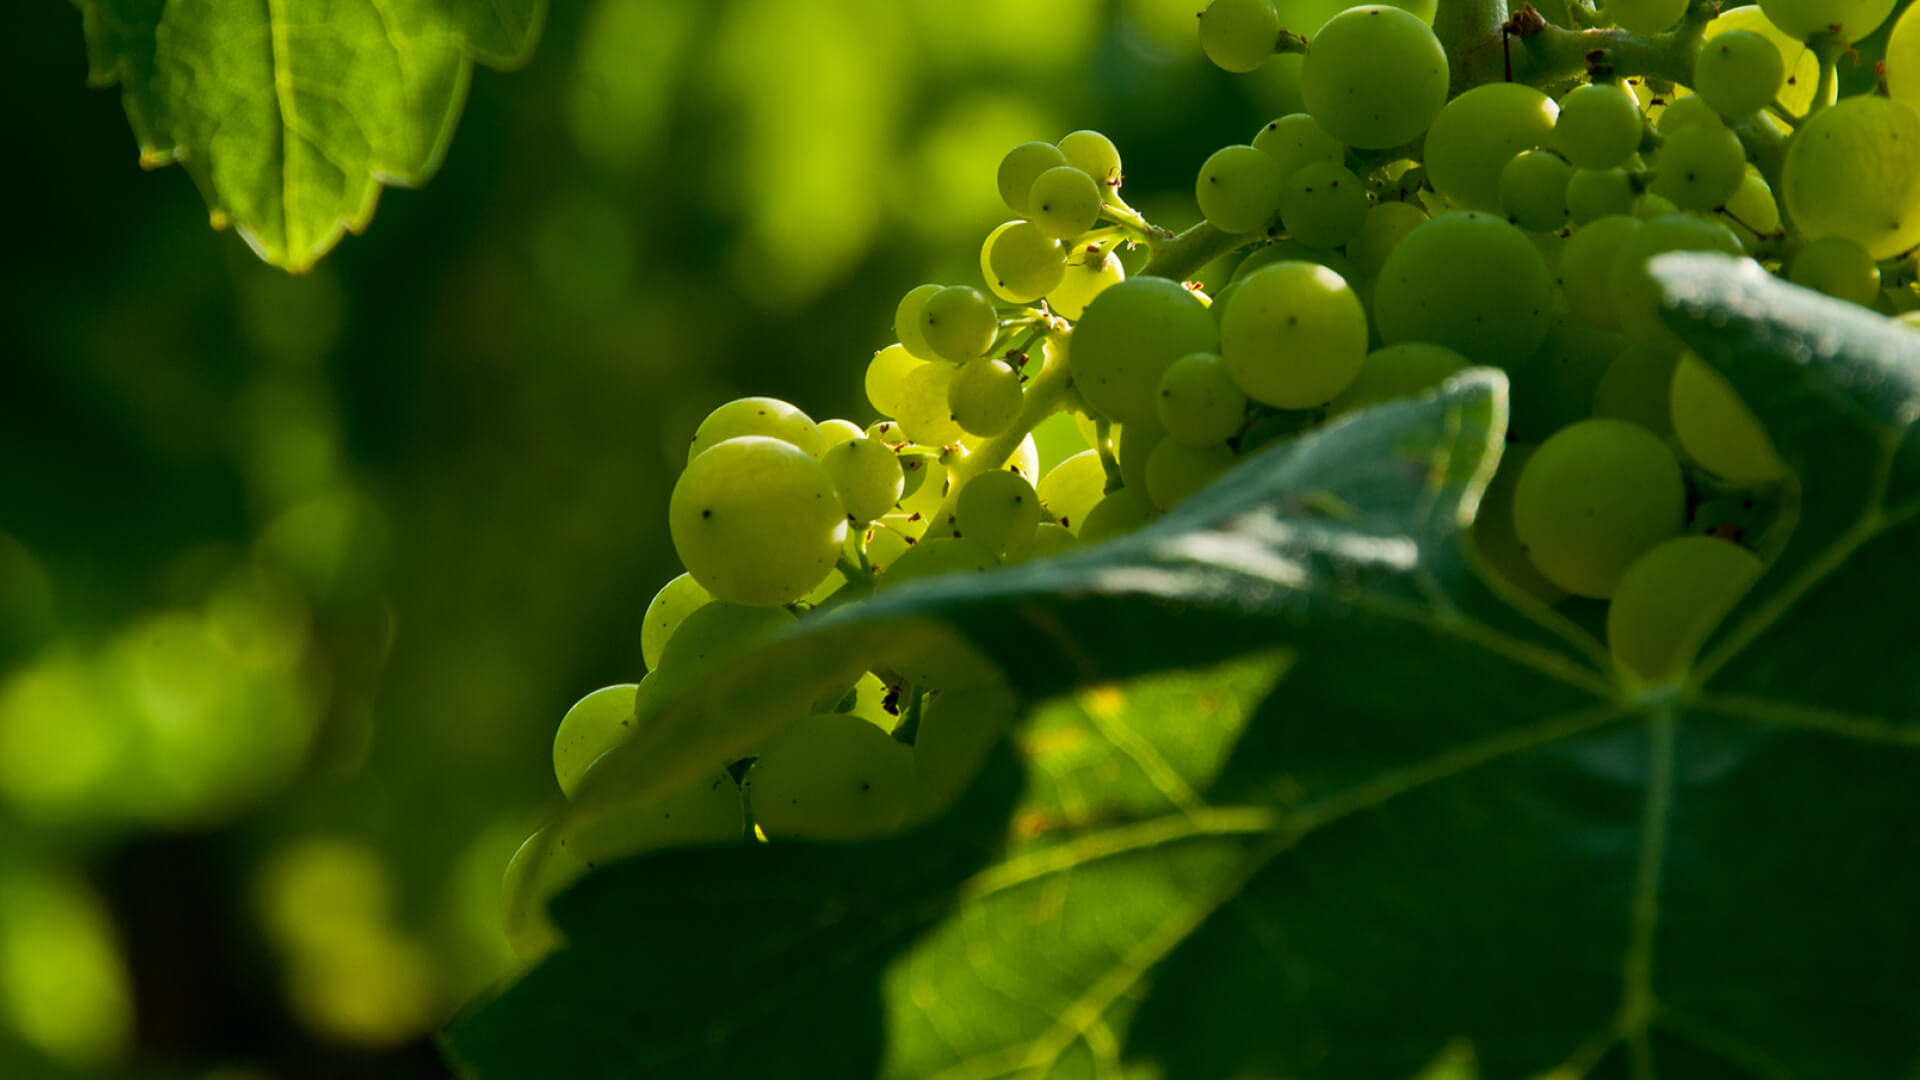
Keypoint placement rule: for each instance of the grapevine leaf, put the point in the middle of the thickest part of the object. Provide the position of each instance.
(1409, 826)
(289, 118)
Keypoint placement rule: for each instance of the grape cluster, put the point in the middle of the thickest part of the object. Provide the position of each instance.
(1400, 229)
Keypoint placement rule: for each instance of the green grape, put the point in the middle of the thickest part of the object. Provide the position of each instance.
(674, 602)
(868, 477)
(1853, 170)
(1555, 387)
(1751, 213)
(1023, 262)
(1238, 189)
(1849, 20)
(1550, 245)
(1533, 190)
(1496, 314)
(889, 538)
(1049, 539)
(1199, 402)
(1838, 267)
(984, 396)
(1802, 65)
(1020, 168)
(1636, 388)
(907, 326)
(758, 416)
(1685, 112)
(1599, 126)
(886, 372)
(922, 407)
(756, 521)
(1636, 296)
(1094, 154)
(1645, 16)
(1239, 35)
(1091, 270)
(594, 725)
(1592, 499)
(959, 323)
(1651, 206)
(933, 556)
(1699, 167)
(1346, 92)
(1128, 336)
(1117, 514)
(708, 812)
(1670, 599)
(886, 433)
(1478, 133)
(830, 776)
(958, 729)
(709, 639)
(1903, 60)
(925, 480)
(1586, 267)
(539, 869)
(1594, 194)
(1295, 140)
(1493, 533)
(1322, 205)
(1385, 226)
(1280, 251)
(1132, 445)
(1738, 73)
(1071, 488)
(1397, 371)
(1717, 429)
(838, 431)
(1065, 202)
(997, 510)
(1295, 335)
(1176, 470)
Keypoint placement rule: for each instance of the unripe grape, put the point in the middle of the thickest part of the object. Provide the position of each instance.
(1555, 386)
(924, 414)
(1853, 170)
(1849, 20)
(1838, 267)
(830, 776)
(997, 510)
(1495, 314)
(959, 323)
(1699, 167)
(1199, 402)
(1090, 271)
(1493, 533)
(1094, 154)
(1239, 35)
(984, 396)
(1176, 470)
(1397, 371)
(1071, 488)
(1801, 63)
(1133, 443)
(838, 431)
(1717, 429)
(711, 637)
(958, 729)
(1533, 190)
(1294, 336)
(1635, 388)
(1342, 81)
(1296, 140)
(867, 476)
(1684, 113)
(1322, 205)
(1752, 212)
(935, 555)
(1635, 295)
(756, 521)
(1738, 73)
(1065, 202)
(1048, 540)
(1599, 126)
(758, 416)
(886, 372)
(1586, 267)
(1594, 194)
(1022, 262)
(1645, 16)
(1115, 515)
(1670, 599)
(1021, 167)
(674, 602)
(1238, 189)
(1478, 133)
(1128, 336)
(594, 725)
(907, 326)
(1903, 60)
(1592, 499)
(1385, 226)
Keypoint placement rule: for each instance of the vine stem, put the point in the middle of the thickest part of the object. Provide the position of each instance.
(1554, 54)
(1047, 394)
(1182, 256)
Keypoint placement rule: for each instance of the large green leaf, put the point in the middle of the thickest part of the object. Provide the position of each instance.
(290, 114)
(1295, 794)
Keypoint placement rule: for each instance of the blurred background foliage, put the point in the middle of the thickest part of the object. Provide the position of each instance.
(298, 574)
